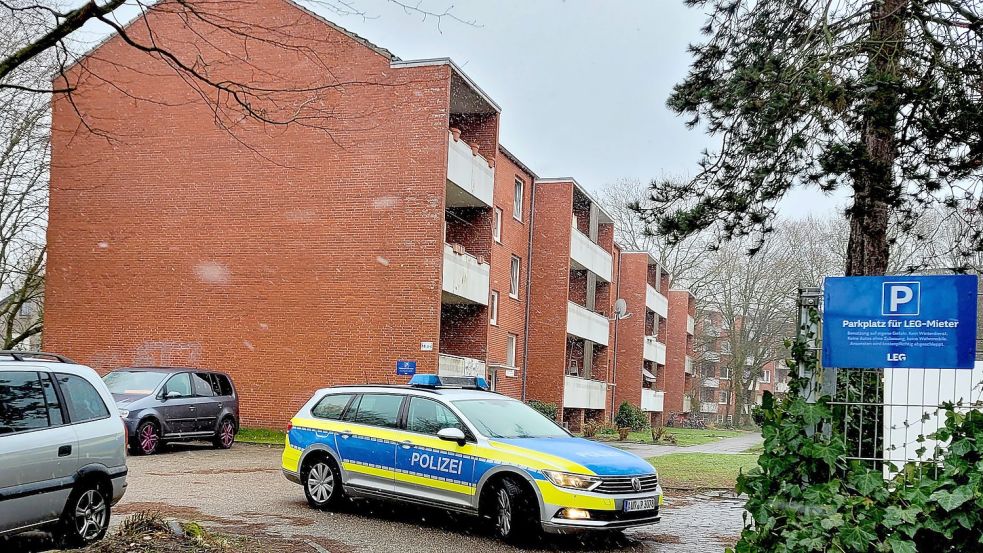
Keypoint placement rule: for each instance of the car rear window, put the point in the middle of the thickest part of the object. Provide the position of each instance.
(83, 401)
(331, 407)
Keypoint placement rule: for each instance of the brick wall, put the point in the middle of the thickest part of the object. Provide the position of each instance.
(515, 241)
(551, 271)
(631, 331)
(275, 253)
(675, 381)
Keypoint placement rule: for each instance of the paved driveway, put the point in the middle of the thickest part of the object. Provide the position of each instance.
(242, 491)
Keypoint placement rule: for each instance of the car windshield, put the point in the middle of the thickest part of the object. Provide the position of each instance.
(133, 382)
(504, 418)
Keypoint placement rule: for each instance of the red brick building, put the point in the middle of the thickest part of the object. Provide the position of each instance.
(677, 381)
(305, 255)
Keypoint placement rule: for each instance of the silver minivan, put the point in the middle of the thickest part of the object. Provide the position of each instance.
(62, 446)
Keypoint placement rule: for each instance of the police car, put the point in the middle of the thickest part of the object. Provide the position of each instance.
(450, 443)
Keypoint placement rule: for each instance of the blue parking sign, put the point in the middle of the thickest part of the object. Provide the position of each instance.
(900, 322)
(406, 368)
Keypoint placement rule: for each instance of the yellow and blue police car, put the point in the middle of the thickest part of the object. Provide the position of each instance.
(450, 443)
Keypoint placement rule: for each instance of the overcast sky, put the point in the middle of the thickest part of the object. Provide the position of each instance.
(582, 84)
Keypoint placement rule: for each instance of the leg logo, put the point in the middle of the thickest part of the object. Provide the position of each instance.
(901, 298)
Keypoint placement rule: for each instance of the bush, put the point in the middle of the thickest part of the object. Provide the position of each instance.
(548, 410)
(591, 428)
(803, 496)
(631, 417)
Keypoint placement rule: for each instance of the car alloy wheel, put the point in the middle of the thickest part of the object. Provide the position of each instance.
(148, 438)
(91, 515)
(503, 519)
(320, 483)
(226, 434)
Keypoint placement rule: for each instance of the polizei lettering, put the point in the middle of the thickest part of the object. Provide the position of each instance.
(436, 462)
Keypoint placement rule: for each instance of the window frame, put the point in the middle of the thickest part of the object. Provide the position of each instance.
(44, 403)
(344, 409)
(208, 380)
(110, 410)
(518, 199)
(405, 418)
(163, 387)
(497, 225)
(515, 276)
(400, 412)
(513, 341)
(721, 398)
(493, 308)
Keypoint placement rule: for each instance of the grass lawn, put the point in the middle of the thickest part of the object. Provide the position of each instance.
(260, 436)
(688, 471)
(684, 436)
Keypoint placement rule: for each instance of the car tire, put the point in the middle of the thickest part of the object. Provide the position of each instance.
(147, 440)
(513, 512)
(86, 516)
(226, 434)
(322, 483)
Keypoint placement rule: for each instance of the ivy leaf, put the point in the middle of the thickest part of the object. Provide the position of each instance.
(833, 521)
(856, 537)
(901, 546)
(953, 499)
(868, 482)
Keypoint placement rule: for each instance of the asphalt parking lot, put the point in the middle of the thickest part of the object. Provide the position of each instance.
(242, 491)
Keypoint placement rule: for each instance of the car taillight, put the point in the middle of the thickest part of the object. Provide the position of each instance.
(290, 426)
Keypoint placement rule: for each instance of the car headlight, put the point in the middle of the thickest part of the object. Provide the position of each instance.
(123, 413)
(572, 481)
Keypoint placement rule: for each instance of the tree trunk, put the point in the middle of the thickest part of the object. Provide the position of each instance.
(874, 190)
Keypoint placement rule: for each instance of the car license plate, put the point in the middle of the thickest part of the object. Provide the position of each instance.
(644, 504)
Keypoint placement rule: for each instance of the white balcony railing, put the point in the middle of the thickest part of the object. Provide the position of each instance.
(781, 387)
(455, 365)
(711, 356)
(469, 174)
(588, 255)
(711, 383)
(708, 407)
(655, 350)
(582, 393)
(687, 404)
(465, 278)
(656, 301)
(584, 323)
(690, 325)
(688, 364)
(653, 400)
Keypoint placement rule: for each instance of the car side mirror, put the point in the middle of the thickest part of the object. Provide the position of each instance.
(172, 395)
(452, 435)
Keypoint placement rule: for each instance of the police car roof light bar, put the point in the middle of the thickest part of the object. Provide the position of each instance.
(434, 381)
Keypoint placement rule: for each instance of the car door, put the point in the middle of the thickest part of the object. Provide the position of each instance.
(429, 467)
(207, 404)
(367, 442)
(177, 405)
(38, 449)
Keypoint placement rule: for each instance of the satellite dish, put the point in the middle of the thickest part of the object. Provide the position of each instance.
(620, 308)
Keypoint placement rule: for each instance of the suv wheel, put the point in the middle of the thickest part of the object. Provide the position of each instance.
(226, 434)
(86, 516)
(322, 483)
(147, 439)
(512, 512)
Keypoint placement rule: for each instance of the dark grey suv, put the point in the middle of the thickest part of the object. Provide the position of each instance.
(172, 404)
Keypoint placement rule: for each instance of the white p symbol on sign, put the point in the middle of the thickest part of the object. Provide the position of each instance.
(901, 298)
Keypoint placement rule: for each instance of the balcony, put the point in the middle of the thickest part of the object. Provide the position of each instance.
(708, 407)
(711, 382)
(711, 356)
(781, 387)
(582, 393)
(652, 400)
(584, 323)
(655, 350)
(656, 301)
(690, 325)
(455, 365)
(465, 278)
(688, 365)
(590, 256)
(470, 181)
(687, 404)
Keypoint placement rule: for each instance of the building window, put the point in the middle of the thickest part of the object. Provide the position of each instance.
(766, 377)
(706, 395)
(514, 281)
(510, 342)
(725, 373)
(517, 201)
(493, 317)
(724, 397)
(497, 229)
(725, 347)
